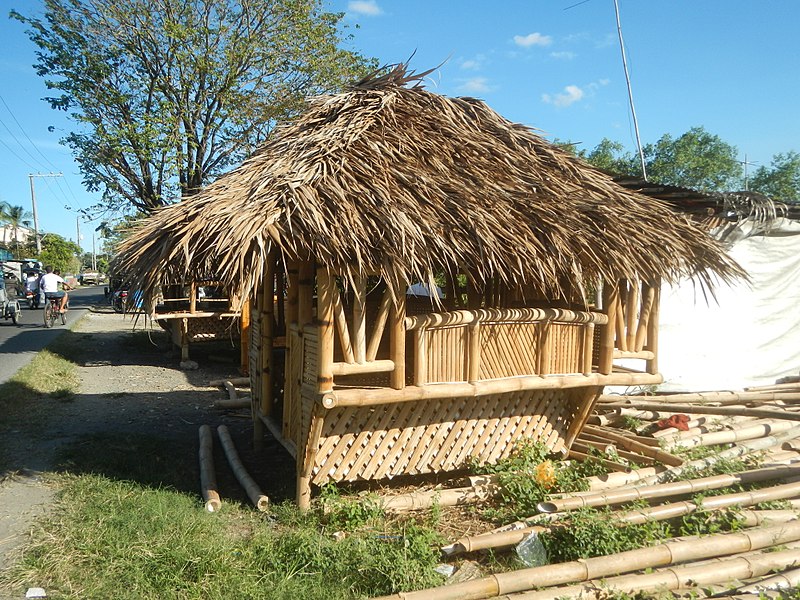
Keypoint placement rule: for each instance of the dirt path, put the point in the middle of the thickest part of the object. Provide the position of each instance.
(131, 387)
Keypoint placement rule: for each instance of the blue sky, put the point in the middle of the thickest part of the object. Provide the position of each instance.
(731, 66)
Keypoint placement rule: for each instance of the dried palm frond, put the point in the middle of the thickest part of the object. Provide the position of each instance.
(407, 183)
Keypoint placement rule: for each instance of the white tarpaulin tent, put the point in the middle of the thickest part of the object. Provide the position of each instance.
(752, 336)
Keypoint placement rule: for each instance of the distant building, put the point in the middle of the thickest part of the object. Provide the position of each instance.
(11, 235)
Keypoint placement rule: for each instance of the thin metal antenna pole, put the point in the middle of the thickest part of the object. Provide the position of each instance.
(630, 91)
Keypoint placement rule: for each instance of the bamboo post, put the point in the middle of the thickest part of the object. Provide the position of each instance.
(544, 349)
(342, 330)
(360, 319)
(652, 328)
(631, 316)
(474, 356)
(280, 299)
(379, 326)
(610, 300)
(421, 357)
(267, 320)
(208, 478)
(326, 301)
(588, 348)
(255, 385)
(233, 380)
(244, 337)
(193, 297)
(306, 458)
(648, 297)
(397, 343)
(255, 494)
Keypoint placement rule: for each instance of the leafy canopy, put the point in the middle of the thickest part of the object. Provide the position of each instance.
(781, 181)
(167, 94)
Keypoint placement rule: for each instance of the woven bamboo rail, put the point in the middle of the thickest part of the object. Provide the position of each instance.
(503, 315)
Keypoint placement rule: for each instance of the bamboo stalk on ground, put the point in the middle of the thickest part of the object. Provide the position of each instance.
(255, 494)
(729, 436)
(787, 579)
(446, 497)
(602, 566)
(768, 413)
(232, 395)
(721, 398)
(238, 403)
(690, 486)
(686, 576)
(208, 478)
(634, 446)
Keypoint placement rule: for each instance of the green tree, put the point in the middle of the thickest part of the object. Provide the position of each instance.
(697, 159)
(167, 94)
(613, 158)
(781, 181)
(15, 217)
(60, 253)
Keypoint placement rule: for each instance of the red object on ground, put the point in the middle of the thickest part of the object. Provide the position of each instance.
(676, 421)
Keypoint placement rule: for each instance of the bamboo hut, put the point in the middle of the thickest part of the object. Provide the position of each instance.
(551, 273)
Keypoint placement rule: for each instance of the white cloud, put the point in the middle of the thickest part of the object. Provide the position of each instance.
(563, 55)
(369, 8)
(570, 95)
(532, 39)
(475, 85)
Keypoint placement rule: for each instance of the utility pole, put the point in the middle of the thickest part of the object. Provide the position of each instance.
(33, 203)
(745, 163)
(630, 91)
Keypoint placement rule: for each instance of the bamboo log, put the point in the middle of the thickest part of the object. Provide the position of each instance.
(685, 576)
(360, 319)
(292, 289)
(651, 343)
(255, 494)
(634, 446)
(397, 343)
(712, 410)
(787, 579)
(267, 332)
(622, 339)
(720, 398)
(648, 300)
(602, 566)
(377, 396)
(632, 308)
(232, 380)
(474, 352)
(608, 464)
(231, 390)
(587, 351)
(375, 366)
(690, 486)
(447, 497)
(244, 337)
(795, 385)
(420, 357)
(342, 330)
(238, 403)
(502, 315)
(730, 436)
(615, 480)
(305, 293)
(326, 301)
(607, 336)
(208, 478)
(379, 326)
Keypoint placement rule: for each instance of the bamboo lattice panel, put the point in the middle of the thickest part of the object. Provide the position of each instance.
(431, 436)
(447, 353)
(212, 328)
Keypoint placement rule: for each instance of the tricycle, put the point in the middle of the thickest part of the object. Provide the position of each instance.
(9, 307)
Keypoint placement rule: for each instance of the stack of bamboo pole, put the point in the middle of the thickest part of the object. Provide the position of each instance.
(759, 425)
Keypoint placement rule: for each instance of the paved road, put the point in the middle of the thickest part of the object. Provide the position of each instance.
(18, 345)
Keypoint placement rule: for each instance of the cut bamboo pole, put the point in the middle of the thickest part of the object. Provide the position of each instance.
(685, 576)
(651, 344)
(267, 333)
(420, 357)
(787, 579)
(719, 398)
(632, 308)
(379, 326)
(244, 337)
(292, 288)
(634, 446)
(474, 353)
(767, 413)
(607, 335)
(255, 494)
(397, 343)
(648, 298)
(232, 395)
(729, 436)
(608, 464)
(343, 332)
(587, 351)
(447, 497)
(360, 319)
(208, 478)
(326, 301)
(603, 566)
(238, 403)
(665, 490)
(305, 293)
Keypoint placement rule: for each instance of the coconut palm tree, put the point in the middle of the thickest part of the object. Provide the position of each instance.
(15, 217)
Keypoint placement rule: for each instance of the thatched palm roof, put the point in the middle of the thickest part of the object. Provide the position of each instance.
(404, 182)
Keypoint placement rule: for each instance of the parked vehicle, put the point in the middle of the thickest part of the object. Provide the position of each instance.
(9, 306)
(119, 299)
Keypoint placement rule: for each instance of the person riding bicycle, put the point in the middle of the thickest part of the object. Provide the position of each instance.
(49, 285)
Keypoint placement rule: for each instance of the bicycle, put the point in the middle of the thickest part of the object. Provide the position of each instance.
(51, 312)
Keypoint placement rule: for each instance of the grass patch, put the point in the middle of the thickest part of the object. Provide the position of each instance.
(114, 539)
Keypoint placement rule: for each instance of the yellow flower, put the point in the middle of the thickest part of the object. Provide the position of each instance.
(545, 474)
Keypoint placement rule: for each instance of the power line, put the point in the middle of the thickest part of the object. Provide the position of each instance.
(27, 137)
